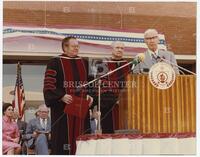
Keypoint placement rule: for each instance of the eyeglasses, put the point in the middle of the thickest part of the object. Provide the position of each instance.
(74, 46)
(44, 111)
(149, 38)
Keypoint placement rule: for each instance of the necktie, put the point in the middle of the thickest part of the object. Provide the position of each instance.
(43, 124)
(154, 58)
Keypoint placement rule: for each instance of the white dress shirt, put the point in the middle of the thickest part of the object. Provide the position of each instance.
(153, 53)
(43, 123)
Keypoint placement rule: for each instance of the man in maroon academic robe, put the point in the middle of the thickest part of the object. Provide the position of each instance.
(117, 79)
(111, 86)
(63, 77)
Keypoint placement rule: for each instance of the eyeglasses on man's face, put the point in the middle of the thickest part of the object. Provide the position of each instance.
(150, 38)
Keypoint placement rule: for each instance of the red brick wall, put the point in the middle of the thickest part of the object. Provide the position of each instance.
(180, 32)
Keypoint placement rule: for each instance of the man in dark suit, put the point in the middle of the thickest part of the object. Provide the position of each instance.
(21, 124)
(38, 131)
(151, 39)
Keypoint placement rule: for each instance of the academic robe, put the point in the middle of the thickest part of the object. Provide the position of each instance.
(117, 82)
(63, 75)
(110, 88)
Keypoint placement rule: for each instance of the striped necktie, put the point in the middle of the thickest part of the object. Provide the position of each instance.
(43, 124)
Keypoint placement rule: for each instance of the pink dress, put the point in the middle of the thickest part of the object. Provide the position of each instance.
(10, 131)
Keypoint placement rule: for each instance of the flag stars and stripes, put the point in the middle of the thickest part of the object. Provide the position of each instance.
(83, 34)
(19, 95)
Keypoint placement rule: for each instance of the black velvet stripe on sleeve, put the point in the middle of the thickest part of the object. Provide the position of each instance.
(53, 83)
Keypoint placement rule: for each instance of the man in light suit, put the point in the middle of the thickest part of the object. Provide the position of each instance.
(38, 131)
(151, 55)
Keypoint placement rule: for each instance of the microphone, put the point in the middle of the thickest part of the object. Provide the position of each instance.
(139, 58)
(169, 62)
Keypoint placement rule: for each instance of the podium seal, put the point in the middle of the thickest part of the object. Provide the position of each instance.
(162, 75)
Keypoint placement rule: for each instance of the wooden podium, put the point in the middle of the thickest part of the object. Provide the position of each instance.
(150, 110)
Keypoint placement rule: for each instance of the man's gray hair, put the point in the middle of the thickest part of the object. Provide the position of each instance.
(115, 42)
(149, 31)
(43, 106)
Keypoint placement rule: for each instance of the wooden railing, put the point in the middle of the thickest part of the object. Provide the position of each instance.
(150, 110)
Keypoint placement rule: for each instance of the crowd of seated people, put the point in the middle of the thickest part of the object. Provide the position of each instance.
(18, 135)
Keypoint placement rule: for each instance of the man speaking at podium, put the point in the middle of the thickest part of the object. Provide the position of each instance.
(154, 54)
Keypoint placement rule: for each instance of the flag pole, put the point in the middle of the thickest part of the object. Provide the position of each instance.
(19, 95)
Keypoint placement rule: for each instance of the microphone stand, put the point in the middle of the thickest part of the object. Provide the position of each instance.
(110, 72)
(99, 131)
(176, 65)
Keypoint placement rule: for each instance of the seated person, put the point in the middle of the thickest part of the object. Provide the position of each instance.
(94, 115)
(10, 132)
(21, 124)
(38, 131)
(22, 129)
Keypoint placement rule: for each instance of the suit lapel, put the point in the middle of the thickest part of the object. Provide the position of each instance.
(160, 53)
(164, 55)
(48, 124)
(148, 60)
(38, 124)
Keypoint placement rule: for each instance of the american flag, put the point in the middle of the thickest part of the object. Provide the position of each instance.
(19, 95)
